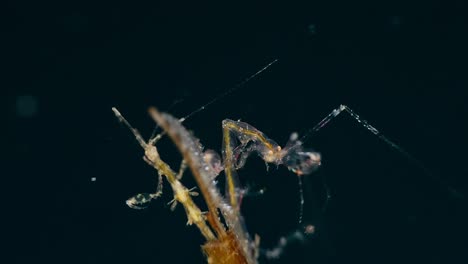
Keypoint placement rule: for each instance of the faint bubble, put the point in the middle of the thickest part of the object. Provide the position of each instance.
(311, 29)
(26, 106)
(395, 21)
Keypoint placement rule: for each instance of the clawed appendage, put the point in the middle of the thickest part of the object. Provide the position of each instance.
(142, 200)
(297, 159)
(241, 139)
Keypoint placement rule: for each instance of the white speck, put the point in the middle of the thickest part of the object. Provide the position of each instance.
(310, 229)
(93, 179)
(294, 136)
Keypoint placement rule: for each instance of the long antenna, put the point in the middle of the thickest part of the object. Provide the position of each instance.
(155, 139)
(377, 133)
(246, 80)
(155, 129)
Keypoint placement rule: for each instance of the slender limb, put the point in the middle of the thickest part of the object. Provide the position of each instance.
(268, 150)
(182, 168)
(159, 190)
(232, 180)
(301, 197)
(252, 140)
(173, 204)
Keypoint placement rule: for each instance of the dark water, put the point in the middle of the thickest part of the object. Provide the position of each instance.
(70, 165)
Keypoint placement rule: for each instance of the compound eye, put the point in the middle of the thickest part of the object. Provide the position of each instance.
(303, 162)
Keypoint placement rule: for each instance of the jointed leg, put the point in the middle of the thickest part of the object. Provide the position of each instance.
(252, 140)
(183, 166)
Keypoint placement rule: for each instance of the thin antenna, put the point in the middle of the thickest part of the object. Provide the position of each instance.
(377, 133)
(155, 139)
(155, 129)
(246, 80)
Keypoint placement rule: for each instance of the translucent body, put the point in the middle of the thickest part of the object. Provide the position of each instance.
(241, 139)
(227, 243)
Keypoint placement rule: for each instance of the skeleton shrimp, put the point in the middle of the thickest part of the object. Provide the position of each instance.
(222, 226)
(228, 243)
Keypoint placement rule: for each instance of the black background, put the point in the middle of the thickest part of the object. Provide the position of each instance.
(402, 65)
